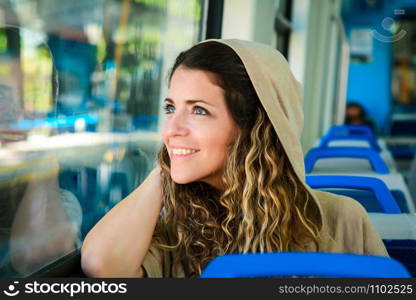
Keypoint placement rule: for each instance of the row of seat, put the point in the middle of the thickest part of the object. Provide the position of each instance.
(361, 167)
(351, 158)
(349, 161)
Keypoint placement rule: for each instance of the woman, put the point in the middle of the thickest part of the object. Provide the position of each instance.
(231, 175)
(355, 114)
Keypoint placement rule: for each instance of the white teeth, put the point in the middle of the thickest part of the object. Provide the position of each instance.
(183, 151)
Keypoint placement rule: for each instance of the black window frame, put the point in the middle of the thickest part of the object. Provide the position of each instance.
(215, 12)
(283, 26)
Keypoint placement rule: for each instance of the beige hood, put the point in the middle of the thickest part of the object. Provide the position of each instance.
(280, 94)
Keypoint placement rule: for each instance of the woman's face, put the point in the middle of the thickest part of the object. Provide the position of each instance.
(199, 129)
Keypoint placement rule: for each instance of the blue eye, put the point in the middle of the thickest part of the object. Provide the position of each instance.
(169, 109)
(200, 111)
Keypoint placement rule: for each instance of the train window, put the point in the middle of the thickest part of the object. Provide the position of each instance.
(80, 90)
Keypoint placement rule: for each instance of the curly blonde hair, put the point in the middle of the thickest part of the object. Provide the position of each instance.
(264, 207)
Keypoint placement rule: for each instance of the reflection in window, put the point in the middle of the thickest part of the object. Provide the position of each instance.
(81, 84)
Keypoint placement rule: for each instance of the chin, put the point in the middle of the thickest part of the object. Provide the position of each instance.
(182, 178)
(180, 181)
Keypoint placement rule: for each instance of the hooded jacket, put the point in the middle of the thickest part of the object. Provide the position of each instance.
(346, 227)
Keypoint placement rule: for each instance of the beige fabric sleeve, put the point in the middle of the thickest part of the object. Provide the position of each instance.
(159, 264)
(348, 228)
(154, 263)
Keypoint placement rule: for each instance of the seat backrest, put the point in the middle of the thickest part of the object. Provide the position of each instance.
(350, 132)
(303, 264)
(393, 181)
(403, 127)
(400, 200)
(403, 251)
(373, 157)
(395, 226)
(378, 187)
(412, 179)
(369, 200)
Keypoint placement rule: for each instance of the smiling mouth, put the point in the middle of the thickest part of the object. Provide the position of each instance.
(183, 152)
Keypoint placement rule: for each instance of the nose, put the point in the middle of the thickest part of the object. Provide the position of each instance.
(176, 125)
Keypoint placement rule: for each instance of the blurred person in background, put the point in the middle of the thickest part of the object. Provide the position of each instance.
(355, 114)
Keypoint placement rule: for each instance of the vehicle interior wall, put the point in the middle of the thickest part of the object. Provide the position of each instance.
(312, 55)
(249, 20)
(371, 67)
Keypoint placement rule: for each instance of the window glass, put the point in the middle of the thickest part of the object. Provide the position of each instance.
(81, 84)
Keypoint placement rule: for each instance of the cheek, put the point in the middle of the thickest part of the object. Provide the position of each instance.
(217, 146)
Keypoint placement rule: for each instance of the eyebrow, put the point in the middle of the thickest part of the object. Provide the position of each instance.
(190, 101)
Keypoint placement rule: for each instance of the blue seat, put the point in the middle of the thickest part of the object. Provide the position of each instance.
(385, 199)
(303, 264)
(403, 251)
(412, 179)
(350, 132)
(403, 128)
(369, 200)
(377, 163)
